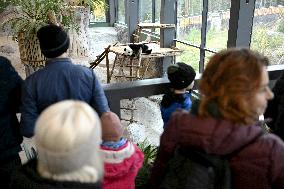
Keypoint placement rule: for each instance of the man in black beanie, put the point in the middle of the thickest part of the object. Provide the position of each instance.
(60, 79)
(54, 41)
(181, 77)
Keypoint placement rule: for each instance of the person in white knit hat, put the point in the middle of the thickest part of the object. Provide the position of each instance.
(67, 138)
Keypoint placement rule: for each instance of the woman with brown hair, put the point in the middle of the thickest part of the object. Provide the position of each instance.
(234, 93)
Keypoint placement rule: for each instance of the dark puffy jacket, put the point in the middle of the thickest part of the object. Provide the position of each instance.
(28, 178)
(275, 109)
(258, 165)
(10, 99)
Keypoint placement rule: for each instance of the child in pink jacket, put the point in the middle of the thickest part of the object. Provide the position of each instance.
(122, 158)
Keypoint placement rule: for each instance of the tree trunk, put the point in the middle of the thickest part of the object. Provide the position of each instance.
(79, 44)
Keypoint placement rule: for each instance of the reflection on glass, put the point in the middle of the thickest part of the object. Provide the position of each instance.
(268, 30)
(121, 11)
(145, 11)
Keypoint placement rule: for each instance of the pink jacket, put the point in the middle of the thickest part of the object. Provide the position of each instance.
(121, 166)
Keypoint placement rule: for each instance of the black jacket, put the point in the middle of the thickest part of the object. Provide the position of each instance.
(28, 178)
(275, 109)
(10, 99)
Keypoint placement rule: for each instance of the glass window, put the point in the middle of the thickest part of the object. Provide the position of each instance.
(208, 55)
(217, 24)
(189, 23)
(189, 56)
(121, 11)
(189, 19)
(145, 8)
(99, 12)
(268, 30)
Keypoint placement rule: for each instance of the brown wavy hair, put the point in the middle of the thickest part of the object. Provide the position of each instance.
(231, 79)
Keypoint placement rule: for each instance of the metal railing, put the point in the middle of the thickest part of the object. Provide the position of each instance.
(115, 92)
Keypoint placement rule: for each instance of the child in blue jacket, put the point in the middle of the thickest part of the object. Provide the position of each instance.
(181, 77)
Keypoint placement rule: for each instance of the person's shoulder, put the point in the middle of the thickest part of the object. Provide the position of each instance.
(34, 76)
(181, 114)
(5, 60)
(6, 67)
(83, 69)
(271, 142)
(80, 66)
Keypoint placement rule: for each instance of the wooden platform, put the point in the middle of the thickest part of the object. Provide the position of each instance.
(156, 53)
(131, 68)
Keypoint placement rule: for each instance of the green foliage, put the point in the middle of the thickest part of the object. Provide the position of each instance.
(281, 26)
(269, 43)
(261, 40)
(3, 5)
(30, 15)
(216, 40)
(264, 39)
(189, 56)
(150, 152)
(91, 3)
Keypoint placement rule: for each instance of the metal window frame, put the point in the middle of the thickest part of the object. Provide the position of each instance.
(240, 23)
(167, 35)
(203, 35)
(153, 11)
(132, 17)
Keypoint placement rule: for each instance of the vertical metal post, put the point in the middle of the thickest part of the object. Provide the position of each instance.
(132, 17)
(153, 11)
(203, 35)
(112, 12)
(126, 10)
(240, 24)
(168, 16)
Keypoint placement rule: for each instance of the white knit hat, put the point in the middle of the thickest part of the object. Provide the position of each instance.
(68, 137)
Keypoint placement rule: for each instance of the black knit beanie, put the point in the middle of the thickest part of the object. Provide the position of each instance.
(54, 41)
(180, 75)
